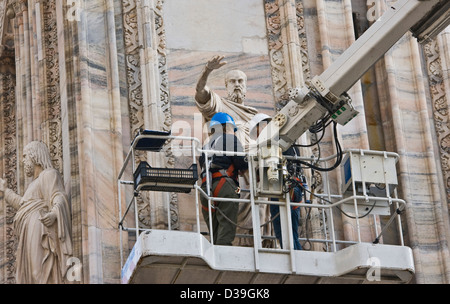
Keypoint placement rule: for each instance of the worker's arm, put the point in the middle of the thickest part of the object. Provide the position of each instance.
(202, 93)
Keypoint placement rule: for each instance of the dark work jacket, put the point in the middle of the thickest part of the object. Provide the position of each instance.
(225, 142)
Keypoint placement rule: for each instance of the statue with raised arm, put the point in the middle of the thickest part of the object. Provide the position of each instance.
(42, 223)
(209, 103)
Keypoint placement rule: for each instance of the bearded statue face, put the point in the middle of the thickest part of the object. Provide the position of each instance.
(28, 165)
(236, 84)
(36, 154)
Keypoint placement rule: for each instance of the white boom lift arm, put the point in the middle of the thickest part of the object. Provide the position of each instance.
(327, 92)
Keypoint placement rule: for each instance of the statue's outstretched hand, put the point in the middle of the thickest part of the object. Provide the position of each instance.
(215, 63)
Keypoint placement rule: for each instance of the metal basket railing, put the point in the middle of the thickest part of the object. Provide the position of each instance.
(146, 177)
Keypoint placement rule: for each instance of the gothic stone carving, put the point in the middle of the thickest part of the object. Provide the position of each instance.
(8, 145)
(52, 95)
(440, 107)
(135, 95)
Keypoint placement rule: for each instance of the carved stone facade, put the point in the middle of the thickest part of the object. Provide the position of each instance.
(138, 100)
(9, 156)
(86, 76)
(49, 93)
(437, 59)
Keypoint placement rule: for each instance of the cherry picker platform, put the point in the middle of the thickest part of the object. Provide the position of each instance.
(172, 256)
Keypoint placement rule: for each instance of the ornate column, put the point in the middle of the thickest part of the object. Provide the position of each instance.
(49, 76)
(67, 15)
(8, 137)
(98, 136)
(287, 46)
(290, 62)
(438, 68)
(8, 161)
(38, 96)
(438, 65)
(24, 128)
(148, 97)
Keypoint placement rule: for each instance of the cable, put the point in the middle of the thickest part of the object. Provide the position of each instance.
(338, 156)
(313, 144)
(242, 227)
(320, 126)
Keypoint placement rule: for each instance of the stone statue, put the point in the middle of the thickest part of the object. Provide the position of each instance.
(209, 103)
(42, 223)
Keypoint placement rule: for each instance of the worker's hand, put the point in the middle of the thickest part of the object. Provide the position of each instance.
(48, 219)
(215, 63)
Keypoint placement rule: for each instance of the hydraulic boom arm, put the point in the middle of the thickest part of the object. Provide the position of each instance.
(326, 95)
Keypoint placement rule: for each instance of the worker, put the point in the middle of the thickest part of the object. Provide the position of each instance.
(256, 125)
(210, 102)
(224, 171)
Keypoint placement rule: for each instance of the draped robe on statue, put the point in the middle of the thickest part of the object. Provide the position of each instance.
(241, 114)
(42, 251)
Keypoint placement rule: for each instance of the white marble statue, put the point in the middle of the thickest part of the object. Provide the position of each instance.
(42, 224)
(209, 103)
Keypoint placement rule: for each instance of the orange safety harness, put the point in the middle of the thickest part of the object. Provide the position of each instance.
(222, 174)
(292, 198)
(292, 191)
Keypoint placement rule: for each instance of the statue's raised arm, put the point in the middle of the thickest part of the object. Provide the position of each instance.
(202, 94)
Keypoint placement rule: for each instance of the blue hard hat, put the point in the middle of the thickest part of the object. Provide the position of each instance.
(222, 118)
